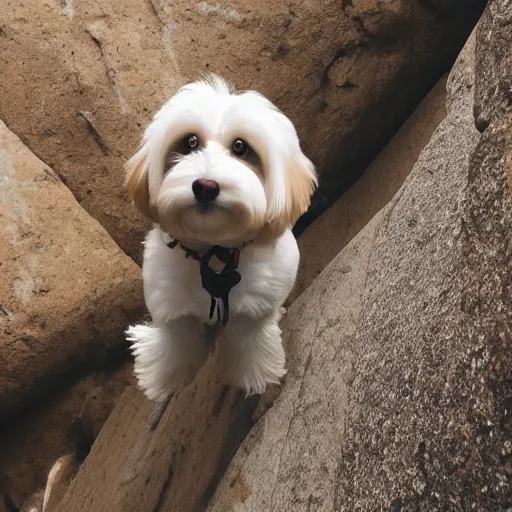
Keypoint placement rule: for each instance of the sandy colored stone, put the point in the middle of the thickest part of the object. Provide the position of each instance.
(132, 468)
(66, 422)
(81, 79)
(330, 233)
(67, 291)
(400, 394)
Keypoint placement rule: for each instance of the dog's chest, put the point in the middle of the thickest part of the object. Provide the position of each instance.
(173, 287)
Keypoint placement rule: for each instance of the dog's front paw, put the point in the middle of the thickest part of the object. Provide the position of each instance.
(253, 355)
(159, 369)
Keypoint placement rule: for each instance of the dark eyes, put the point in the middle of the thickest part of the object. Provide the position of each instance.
(188, 144)
(240, 147)
(191, 143)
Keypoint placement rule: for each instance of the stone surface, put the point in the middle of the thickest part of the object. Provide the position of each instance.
(174, 467)
(67, 291)
(67, 422)
(80, 79)
(379, 183)
(399, 394)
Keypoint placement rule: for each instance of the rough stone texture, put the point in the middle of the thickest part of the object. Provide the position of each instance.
(80, 79)
(174, 467)
(379, 183)
(66, 422)
(399, 395)
(67, 291)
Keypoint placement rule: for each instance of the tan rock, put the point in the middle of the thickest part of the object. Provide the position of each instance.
(80, 79)
(379, 183)
(67, 291)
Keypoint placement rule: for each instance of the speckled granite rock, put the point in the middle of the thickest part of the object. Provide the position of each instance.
(80, 79)
(399, 395)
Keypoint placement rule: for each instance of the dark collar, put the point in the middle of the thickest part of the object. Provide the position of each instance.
(191, 253)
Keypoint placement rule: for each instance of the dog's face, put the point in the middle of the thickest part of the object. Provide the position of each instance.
(220, 168)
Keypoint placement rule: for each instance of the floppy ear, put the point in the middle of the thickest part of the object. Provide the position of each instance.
(137, 182)
(300, 181)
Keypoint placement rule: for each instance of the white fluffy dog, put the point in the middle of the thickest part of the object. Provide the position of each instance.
(217, 169)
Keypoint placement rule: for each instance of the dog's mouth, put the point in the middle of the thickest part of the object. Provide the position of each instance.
(206, 207)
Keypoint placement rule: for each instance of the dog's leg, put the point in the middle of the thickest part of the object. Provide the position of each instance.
(167, 357)
(252, 353)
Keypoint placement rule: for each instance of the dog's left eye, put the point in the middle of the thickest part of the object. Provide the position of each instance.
(188, 144)
(240, 147)
(192, 142)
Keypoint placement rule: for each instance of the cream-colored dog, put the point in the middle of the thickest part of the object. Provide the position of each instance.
(217, 169)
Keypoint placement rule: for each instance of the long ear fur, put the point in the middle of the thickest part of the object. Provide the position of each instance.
(137, 182)
(300, 183)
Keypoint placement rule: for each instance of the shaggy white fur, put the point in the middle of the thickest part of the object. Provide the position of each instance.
(217, 168)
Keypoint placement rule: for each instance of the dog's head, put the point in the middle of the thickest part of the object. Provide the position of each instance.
(220, 168)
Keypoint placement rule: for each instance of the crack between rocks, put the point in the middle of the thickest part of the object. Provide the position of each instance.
(158, 411)
(154, 10)
(111, 74)
(39, 156)
(91, 128)
(165, 488)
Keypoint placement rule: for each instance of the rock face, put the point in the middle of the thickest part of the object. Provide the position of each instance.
(379, 183)
(176, 466)
(399, 395)
(80, 80)
(396, 398)
(67, 291)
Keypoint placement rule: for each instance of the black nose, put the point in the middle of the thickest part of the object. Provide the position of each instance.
(205, 190)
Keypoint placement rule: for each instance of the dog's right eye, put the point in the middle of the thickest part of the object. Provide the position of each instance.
(190, 143)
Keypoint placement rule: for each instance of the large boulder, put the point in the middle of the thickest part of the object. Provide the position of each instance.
(399, 394)
(80, 80)
(67, 290)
